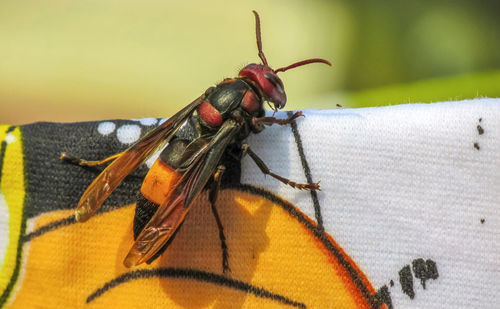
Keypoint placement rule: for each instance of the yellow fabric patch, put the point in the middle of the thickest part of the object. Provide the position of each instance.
(12, 188)
(78, 264)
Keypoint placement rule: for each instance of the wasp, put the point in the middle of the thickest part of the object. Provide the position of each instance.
(197, 138)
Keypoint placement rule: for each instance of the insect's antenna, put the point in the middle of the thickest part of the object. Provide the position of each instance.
(259, 40)
(303, 62)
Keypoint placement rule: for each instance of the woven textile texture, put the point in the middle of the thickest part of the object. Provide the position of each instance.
(408, 216)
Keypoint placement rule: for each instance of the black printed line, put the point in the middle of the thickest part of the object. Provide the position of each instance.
(49, 227)
(69, 220)
(192, 274)
(307, 171)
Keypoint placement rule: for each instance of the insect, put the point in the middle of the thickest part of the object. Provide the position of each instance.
(198, 136)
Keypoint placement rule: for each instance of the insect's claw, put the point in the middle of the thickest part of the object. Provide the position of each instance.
(296, 115)
(309, 186)
(69, 158)
(317, 187)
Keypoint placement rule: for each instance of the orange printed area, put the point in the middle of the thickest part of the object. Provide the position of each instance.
(269, 249)
(158, 181)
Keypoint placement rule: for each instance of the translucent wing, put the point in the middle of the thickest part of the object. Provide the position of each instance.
(171, 214)
(113, 175)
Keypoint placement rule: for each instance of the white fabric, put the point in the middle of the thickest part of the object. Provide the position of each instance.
(401, 183)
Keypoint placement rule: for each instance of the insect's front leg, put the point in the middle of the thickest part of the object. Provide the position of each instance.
(214, 190)
(263, 167)
(82, 162)
(269, 121)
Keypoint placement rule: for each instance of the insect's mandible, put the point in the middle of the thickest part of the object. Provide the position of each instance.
(198, 137)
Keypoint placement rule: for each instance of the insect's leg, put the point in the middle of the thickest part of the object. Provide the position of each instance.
(214, 190)
(82, 162)
(263, 167)
(269, 121)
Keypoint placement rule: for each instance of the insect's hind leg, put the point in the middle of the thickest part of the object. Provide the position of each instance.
(82, 162)
(214, 190)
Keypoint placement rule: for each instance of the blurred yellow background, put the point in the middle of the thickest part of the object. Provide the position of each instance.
(88, 60)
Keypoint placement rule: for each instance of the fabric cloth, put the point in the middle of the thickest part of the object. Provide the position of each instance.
(408, 216)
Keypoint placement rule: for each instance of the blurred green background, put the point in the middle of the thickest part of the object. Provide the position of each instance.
(89, 60)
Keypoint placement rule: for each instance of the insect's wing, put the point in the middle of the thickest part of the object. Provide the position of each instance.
(113, 175)
(170, 215)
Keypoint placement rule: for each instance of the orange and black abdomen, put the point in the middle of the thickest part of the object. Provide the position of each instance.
(165, 172)
(154, 190)
(158, 183)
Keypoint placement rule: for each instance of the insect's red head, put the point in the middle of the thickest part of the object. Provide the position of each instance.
(266, 78)
(268, 82)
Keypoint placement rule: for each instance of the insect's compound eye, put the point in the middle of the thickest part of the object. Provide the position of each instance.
(275, 81)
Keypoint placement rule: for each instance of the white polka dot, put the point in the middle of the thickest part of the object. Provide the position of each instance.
(106, 128)
(10, 138)
(4, 228)
(129, 133)
(148, 121)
